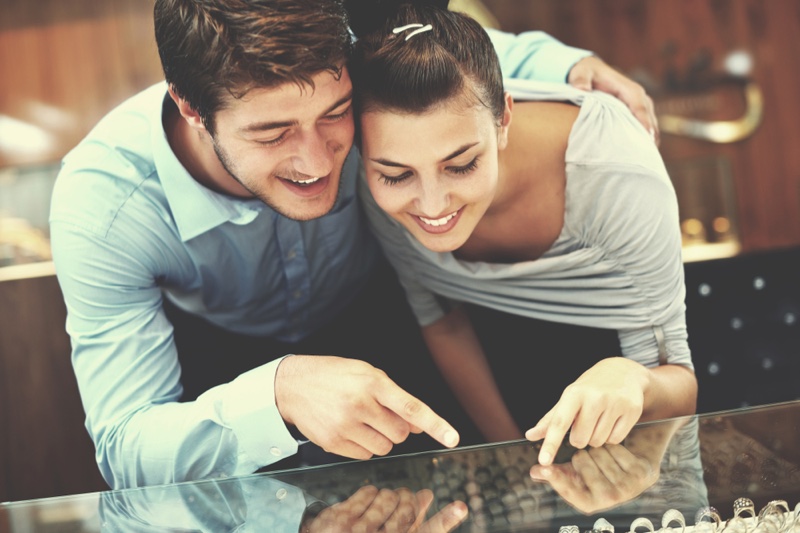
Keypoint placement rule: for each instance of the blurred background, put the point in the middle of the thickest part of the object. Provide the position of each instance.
(723, 75)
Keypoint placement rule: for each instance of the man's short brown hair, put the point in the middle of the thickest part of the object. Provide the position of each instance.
(215, 49)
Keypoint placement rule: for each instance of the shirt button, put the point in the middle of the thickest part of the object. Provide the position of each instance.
(291, 255)
(281, 494)
(298, 294)
(275, 451)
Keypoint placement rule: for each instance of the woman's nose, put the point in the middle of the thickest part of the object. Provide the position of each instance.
(433, 199)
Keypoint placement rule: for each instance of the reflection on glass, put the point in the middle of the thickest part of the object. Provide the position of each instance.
(664, 470)
(263, 504)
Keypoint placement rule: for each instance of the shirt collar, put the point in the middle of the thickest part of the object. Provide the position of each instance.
(195, 208)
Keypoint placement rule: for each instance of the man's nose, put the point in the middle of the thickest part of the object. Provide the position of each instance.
(315, 155)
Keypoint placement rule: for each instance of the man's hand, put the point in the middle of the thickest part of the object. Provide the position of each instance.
(401, 511)
(600, 407)
(593, 73)
(350, 408)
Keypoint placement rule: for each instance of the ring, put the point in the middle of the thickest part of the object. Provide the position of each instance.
(795, 525)
(776, 508)
(569, 529)
(767, 526)
(673, 515)
(642, 522)
(743, 505)
(796, 520)
(601, 524)
(736, 524)
(710, 513)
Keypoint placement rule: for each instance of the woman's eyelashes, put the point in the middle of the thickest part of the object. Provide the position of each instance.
(459, 170)
(466, 169)
(394, 180)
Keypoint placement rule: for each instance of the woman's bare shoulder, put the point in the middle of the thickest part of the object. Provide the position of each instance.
(545, 125)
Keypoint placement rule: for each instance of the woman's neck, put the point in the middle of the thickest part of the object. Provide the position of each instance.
(527, 214)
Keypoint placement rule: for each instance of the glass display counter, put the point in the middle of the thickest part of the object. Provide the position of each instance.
(728, 471)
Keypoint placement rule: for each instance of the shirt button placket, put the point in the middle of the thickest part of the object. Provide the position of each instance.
(296, 271)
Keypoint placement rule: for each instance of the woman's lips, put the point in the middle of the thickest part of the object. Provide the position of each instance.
(438, 225)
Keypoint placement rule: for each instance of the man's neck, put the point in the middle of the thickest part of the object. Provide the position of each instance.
(197, 156)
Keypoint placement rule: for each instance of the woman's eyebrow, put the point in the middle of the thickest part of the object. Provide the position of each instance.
(458, 152)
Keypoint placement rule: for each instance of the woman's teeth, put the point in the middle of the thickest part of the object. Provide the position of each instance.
(438, 221)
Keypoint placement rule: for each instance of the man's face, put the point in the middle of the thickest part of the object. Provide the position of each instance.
(287, 145)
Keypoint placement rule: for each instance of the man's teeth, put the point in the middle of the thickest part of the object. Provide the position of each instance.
(306, 182)
(438, 221)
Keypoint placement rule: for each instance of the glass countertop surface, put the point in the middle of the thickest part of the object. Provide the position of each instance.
(683, 464)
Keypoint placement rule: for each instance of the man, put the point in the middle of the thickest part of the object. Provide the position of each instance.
(208, 227)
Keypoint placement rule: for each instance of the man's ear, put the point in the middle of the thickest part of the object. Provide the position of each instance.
(189, 114)
(502, 133)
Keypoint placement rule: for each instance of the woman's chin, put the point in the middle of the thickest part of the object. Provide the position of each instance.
(442, 243)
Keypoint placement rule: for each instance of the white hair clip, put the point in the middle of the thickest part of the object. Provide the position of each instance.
(420, 29)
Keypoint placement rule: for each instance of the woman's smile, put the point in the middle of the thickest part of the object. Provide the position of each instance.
(441, 224)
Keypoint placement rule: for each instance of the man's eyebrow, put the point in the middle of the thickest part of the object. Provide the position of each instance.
(278, 124)
(456, 153)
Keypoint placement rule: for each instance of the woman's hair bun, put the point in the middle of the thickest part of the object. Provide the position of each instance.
(366, 16)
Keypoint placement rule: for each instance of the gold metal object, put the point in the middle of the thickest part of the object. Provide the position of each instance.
(719, 131)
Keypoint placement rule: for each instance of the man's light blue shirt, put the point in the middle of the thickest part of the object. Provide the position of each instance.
(129, 226)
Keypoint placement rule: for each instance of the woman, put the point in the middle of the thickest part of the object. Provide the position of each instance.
(557, 232)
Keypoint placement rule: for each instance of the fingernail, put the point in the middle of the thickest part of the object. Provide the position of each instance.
(451, 438)
(653, 134)
(544, 458)
(545, 471)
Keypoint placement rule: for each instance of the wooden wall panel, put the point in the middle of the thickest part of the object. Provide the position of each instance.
(44, 448)
(63, 65)
(659, 42)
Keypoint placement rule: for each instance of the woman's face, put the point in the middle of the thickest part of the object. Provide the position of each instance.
(436, 173)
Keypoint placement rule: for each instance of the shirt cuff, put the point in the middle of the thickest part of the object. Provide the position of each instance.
(251, 413)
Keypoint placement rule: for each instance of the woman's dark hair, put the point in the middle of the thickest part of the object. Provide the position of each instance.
(455, 58)
(214, 49)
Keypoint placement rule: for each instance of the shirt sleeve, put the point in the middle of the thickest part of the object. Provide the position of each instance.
(128, 372)
(534, 55)
(630, 210)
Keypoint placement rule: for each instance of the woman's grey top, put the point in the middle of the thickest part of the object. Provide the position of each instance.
(617, 263)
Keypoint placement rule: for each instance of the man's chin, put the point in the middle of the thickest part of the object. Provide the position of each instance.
(302, 211)
(307, 215)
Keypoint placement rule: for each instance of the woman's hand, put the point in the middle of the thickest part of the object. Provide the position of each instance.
(599, 478)
(600, 407)
(602, 478)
